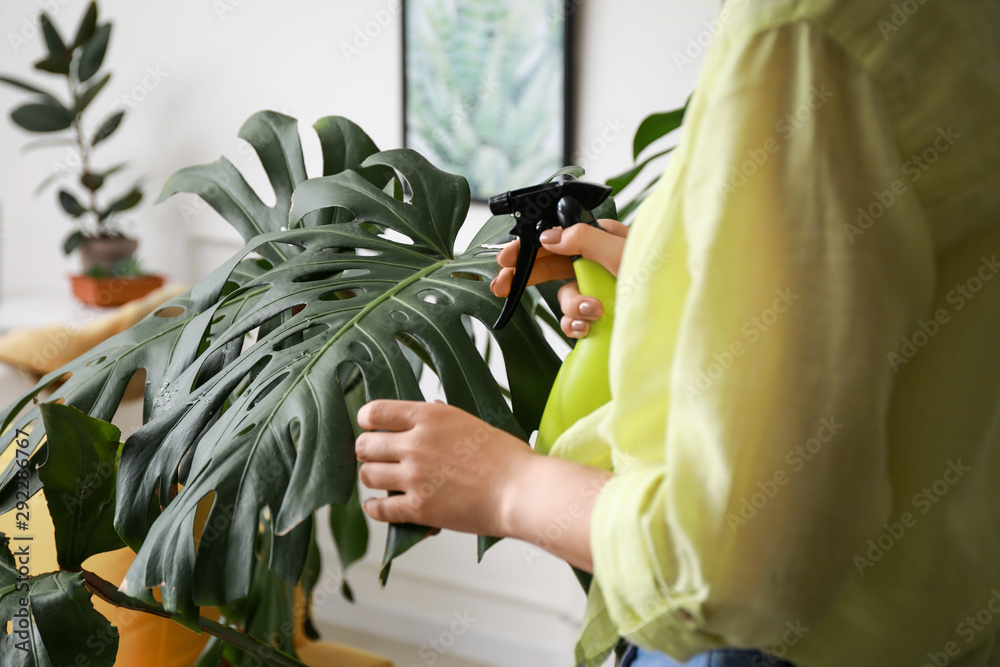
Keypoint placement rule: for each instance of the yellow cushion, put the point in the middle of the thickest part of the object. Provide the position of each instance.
(44, 349)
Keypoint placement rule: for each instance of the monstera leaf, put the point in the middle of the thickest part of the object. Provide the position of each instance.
(51, 618)
(247, 376)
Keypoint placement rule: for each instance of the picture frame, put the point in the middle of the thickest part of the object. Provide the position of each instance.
(487, 88)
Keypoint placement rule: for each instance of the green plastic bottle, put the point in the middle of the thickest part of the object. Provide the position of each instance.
(582, 384)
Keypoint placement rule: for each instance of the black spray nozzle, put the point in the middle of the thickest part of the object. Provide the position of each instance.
(562, 202)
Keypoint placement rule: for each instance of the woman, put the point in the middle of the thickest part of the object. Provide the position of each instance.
(798, 456)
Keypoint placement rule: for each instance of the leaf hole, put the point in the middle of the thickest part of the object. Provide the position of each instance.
(395, 236)
(97, 360)
(435, 296)
(463, 275)
(361, 351)
(400, 316)
(299, 337)
(318, 275)
(268, 388)
(246, 430)
(295, 432)
(170, 311)
(201, 527)
(342, 295)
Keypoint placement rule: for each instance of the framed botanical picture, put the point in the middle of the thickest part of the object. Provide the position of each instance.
(486, 88)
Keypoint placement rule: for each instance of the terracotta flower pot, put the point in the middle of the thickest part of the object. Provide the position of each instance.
(106, 251)
(113, 291)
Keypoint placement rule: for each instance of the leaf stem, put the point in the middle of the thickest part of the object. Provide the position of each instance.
(84, 151)
(107, 591)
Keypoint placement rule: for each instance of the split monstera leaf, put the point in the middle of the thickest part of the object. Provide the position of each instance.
(348, 287)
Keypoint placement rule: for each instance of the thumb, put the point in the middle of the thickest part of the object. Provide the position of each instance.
(588, 241)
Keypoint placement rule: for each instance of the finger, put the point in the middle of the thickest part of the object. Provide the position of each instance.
(574, 328)
(389, 415)
(508, 254)
(578, 306)
(394, 509)
(507, 257)
(613, 227)
(376, 446)
(383, 476)
(550, 267)
(590, 242)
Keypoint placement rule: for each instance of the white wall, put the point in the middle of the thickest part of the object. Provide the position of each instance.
(218, 61)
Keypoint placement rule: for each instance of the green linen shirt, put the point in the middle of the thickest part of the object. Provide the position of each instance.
(805, 366)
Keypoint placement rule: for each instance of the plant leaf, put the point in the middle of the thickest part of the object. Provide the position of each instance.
(91, 181)
(401, 538)
(655, 126)
(350, 530)
(88, 95)
(124, 203)
(47, 143)
(42, 117)
(73, 241)
(88, 24)
(310, 576)
(56, 64)
(79, 480)
(107, 128)
(345, 146)
(58, 624)
(357, 304)
(261, 423)
(55, 44)
(275, 139)
(93, 52)
(49, 97)
(70, 204)
(621, 181)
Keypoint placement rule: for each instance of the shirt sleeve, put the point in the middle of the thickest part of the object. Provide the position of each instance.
(780, 261)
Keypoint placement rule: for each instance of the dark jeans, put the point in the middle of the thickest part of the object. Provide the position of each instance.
(637, 657)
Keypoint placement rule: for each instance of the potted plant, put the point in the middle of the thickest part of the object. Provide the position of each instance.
(252, 383)
(98, 234)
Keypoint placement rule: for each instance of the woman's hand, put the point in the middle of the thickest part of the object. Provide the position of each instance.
(553, 263)
(456, 471)
(453, 470)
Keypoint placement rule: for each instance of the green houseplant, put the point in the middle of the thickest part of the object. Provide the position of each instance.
(649, 143)
(345, 292)
(62, 118)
